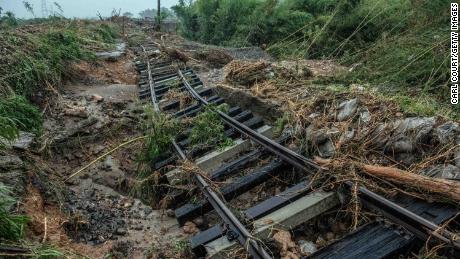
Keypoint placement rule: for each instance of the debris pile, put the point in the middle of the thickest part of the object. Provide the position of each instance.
(247, 73)
(214, 57)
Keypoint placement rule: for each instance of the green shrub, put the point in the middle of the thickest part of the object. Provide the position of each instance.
(401, 43)
(8, 130)
(159, 129)
(208, 128)
(107, 33)
(8, 20)
(19, 114)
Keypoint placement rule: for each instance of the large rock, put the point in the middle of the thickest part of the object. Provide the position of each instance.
(24, 141)
(10, 162)
(446, 132)
(80, 127)
(347, 109)
(365, 115)
(15, 179)
(326, 149)
(113, 55)
(416, 127)
(402, 144)
(378, 137)
(443, 171)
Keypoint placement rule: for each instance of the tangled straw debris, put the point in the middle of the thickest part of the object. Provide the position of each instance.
(246, 72)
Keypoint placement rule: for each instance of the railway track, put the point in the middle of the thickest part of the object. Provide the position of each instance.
(254, 160)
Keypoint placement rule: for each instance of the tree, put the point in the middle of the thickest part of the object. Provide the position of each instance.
(59, 7)
(148, 13)
(29, 7)
(152, 13)
(128, 14)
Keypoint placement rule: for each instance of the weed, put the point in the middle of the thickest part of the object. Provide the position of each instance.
(11, 226)
(159, 129)
(280, 124)
(209, 129)
(181, 246)
(8, 130)
(46, 252)
(21, 115)
(107, 33)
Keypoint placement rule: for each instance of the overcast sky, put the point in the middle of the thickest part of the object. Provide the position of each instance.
(83, 8)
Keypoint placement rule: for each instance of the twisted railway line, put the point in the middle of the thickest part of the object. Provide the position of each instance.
(407, 220)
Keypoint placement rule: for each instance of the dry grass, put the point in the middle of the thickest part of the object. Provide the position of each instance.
(246, 72)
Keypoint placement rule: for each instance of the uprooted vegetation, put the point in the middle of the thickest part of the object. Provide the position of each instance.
(400, 46)
(35, 64)
(159, 130)
(357, 128)
(208, 128)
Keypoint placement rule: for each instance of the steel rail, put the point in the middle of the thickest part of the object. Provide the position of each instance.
(416, 224)
(235, 229)
(151, 83)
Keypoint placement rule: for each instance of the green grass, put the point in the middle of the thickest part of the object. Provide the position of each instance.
(159, 129)
(8, 130)
(208, 128)
(11, 225)
(19, 115)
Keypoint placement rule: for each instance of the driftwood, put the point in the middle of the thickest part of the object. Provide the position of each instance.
(442, 187)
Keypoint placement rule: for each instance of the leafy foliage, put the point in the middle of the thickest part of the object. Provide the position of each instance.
(11, 226)
(8, 130)
(19, 114)
(160, 129)
(208, 128)
(401, 43)
(8, 20)
(29, 61)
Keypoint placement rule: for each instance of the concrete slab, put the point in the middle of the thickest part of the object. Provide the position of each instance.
(214, 160)
(287, 218)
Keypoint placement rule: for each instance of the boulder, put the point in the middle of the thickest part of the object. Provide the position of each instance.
(10, 162)
(15, 179)
(307, 247)
(416, 127)
(327, 149)
(347, 109)
(443, 171)
(365, 116)
(402, 144)
(24, 141)
(446, 132)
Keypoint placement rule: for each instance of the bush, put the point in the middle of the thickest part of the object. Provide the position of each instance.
(19, 114)
(209, 129)
(400, 42)
(107, 33)
(159, 129)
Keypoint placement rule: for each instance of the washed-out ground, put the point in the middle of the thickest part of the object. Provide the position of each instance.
(95, 215)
